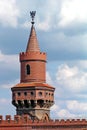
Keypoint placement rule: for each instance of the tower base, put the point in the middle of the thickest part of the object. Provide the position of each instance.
(40, 114)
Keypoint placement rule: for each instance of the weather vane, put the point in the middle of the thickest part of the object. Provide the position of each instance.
(32, 14)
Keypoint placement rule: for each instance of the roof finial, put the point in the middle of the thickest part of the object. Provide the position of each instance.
(32, 14)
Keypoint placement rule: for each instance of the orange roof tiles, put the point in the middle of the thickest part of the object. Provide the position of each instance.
(34, 84)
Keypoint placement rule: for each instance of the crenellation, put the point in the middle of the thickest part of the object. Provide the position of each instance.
(24, 120)
(51, 121)
(8, 117)
(56, 120)
(78, 120)
(73, 120)
(29, 56)
(84, 120)
(17, 118)
(32, 53)
(29, 53)
(68, 121)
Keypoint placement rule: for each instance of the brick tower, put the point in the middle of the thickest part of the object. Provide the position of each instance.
(33, 96)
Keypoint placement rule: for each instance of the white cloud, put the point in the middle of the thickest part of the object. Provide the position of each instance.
(59, 13)
(9, 13)
(26, 24)
(49, 14)
(82, 64)
(64, 72)
(45, 26)
(6, 107)
(69, 109)
(4, 100)
(73, 11)
(10, 84)
(46, 15)
(1, 56)
(71, 78)
(76, 106)
(71, 82)
(9, 61)
(48, 78)
(63, 113)
(55, 107)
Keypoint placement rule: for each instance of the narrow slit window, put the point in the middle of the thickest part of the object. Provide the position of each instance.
(28, 69)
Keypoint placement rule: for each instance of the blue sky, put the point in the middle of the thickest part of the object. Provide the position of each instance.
(61, 27)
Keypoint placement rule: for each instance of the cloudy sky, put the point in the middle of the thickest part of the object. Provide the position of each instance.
(61, 27)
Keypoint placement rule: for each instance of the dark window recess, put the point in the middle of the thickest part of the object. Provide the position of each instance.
(27, 69)
(19, 93)
(52, 94)
(25, 93)
(32, 93)
(40, 93)
(46, 93)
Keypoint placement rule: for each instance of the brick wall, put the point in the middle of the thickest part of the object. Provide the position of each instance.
(37, 62)
(23, 123)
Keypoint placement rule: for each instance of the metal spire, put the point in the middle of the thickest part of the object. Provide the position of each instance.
(32, 14)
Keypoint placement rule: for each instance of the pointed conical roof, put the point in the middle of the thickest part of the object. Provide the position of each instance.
(32, 42)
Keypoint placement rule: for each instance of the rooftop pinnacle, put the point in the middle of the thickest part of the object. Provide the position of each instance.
(32, 42)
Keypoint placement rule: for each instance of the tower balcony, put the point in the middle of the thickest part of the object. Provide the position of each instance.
(28, 104)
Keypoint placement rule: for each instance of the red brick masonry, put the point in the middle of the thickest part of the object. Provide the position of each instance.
(37, 62)
(23, 123)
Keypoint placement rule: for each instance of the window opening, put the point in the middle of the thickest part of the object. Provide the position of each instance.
(25, 93)
(40, 93)
(19, 94)
(27, 69)
(32, 93)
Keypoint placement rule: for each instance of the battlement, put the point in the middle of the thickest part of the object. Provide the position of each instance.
(22, 120)
(24, 56)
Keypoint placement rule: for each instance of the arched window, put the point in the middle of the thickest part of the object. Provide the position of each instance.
(27, 69)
